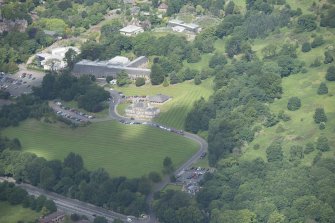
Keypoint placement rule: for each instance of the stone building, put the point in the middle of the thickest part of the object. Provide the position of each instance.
(142, 111)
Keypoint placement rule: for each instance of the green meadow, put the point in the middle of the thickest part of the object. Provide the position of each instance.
(15, 213)
(301, 129)
(174, 111)
(122, 150)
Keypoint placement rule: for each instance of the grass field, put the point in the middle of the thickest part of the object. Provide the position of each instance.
(301, 129)
(121, 108)
(14, 213)
(173, 112)
(122, 150)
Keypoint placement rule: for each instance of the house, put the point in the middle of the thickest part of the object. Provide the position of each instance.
(55, 59)
(131, 30)
(163, 8)
(100, 69)
(142, 111)
(176, 25)
(56, 217)
(158, 98)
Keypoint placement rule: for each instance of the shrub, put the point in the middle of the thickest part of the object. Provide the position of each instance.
(322, 126)
(328, 57)
(323, 89)
(320, 116)
(294, 103)
(306, 47)
(309, 148)
(330, 76)
(197, 80)
(318, 41)
(274, 152)
(322, 144)
(316, 63)
(140, 81)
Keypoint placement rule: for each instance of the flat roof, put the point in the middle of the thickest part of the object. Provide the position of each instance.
(130, 29)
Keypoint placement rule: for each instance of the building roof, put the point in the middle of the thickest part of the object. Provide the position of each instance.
(119, 60)
(63, 50)
(131, 29)
(159, 98)
(181, 23)
(138, 61)
(52, 216)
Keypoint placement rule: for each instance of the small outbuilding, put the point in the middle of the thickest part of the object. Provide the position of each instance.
(158, 98)
(131, 30)
(56, 217)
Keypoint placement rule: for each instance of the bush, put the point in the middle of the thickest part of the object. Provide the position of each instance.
(174, 79)
(155, 177)
(330, 76)
(294, 103)
(320, 116)
(165, 82)
(306, 47)
(274, 152)
(322, 126)
(328, 57)
(323, 89)
(309, 148)
(140, 81)
(197, 80)
(318, 41)
(316, 63)
(322, 144)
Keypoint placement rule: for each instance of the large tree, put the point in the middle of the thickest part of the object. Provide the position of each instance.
(157, 74)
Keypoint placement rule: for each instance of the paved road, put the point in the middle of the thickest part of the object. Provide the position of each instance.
(71, 206)
(116, 99)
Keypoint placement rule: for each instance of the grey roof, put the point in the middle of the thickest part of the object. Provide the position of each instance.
(130, 29)
(138, 61)
(159, 98)
(52, 216)
(102, 68)
(177, 22)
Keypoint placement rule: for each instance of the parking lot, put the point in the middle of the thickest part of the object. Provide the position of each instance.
(20, 83)
(71, 114)
(190, 178)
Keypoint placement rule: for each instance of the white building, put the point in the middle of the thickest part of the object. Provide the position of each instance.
(131, 30)
(180, 26)
(55, 59)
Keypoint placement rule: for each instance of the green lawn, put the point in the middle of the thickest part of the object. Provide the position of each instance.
(14, 213)
(301, 129)
(122, 150)
(121, 108)
(174, 112)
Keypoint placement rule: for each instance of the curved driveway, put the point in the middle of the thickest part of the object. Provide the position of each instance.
(203, 145)
(69, 205)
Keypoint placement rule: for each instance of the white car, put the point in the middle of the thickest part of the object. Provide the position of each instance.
(129, 220)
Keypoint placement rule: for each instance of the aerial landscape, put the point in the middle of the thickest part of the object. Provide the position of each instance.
(170, 111)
